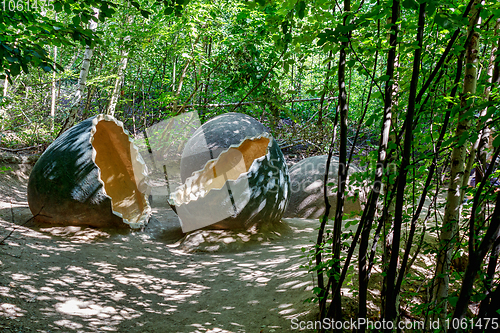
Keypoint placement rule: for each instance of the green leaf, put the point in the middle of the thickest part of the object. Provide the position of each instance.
(370, 120)
(243, 15)
(453, 301)
(104, 8)
(67, 8)
(25, 68)
(410, 4)
(46, 68)
(109, 12)
(76, 20)
(301, 9)
(317, 290)
(463, 138)
(284, 27)
(57, 6)
(135, 4)
(430, 8)
(168, 10)
(15, 69)
(443, 21)
(496, 142)
(7, 47)
(422, 168)
(384, 78)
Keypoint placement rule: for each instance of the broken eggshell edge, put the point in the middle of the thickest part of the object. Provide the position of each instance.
(137, 164)
(283, 185)
(212, 162)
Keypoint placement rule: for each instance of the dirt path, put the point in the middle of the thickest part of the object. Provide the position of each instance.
(72, 279)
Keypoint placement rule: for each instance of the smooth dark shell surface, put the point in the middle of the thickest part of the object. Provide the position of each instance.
(215, 136)
(64, 186)
(263, 192)
(306, 197)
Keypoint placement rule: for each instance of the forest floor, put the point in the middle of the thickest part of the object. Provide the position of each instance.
(74, 279)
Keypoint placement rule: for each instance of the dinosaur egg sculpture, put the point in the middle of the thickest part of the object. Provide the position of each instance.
(306, 197)
(91, 175)
(233, 175)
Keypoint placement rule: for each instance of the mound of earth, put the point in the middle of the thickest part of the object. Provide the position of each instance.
(233, 240)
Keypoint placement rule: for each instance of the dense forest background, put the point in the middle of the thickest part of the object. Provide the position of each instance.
(409, 90)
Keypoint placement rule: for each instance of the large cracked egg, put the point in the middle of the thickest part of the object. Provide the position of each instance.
(234, 176)
(91, 175)
(307, 197)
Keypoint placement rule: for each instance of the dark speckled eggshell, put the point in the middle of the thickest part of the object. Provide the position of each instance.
(268, 178)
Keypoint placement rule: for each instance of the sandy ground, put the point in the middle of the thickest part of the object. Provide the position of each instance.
(73, 279)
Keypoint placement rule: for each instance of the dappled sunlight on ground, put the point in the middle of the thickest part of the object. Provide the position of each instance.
(13, 186)
(77, 279)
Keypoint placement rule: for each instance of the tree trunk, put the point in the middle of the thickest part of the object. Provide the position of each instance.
(120, 74)
(488, 283)
(476, 258)
(389, 203)
(118, 83)
(53, 90)
(92, 90)
(183, 75)
(484, 138)
(3, 111)
(75, 106)
(207, 82)
(323, 292)
(371, 205)
(53, 93)
(480, 147)
(392, 300)
(452, 210)
(174, 72)
(336, 305)
(493, 80)
(322, 98)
